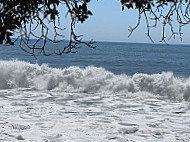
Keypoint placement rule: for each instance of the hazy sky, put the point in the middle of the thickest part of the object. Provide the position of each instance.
(109, 23)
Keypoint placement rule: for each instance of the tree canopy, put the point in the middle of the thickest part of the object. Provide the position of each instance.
(25, 17)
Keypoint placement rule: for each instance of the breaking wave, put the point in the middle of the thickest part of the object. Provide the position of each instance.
(20, 74)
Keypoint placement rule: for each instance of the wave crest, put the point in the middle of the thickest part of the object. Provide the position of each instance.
(20, 74)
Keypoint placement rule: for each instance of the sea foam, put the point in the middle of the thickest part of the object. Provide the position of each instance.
(20, 74)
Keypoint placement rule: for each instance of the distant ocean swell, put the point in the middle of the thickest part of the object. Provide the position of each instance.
(20, 74)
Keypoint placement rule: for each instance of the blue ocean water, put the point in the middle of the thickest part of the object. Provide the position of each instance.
(117, 57)
(117, 92)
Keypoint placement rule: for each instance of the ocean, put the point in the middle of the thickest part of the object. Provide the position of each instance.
(119, 92)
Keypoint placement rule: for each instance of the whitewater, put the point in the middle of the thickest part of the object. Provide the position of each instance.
(39, 103)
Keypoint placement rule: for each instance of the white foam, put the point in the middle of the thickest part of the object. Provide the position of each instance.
(20, 74)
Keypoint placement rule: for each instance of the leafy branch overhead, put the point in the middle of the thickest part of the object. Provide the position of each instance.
(28, 16)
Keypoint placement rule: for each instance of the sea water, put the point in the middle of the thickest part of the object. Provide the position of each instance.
(119, 92)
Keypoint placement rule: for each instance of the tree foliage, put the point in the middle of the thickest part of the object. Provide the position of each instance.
(25, 17)
(28, 16)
